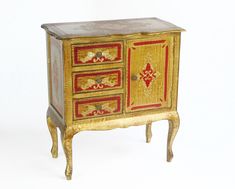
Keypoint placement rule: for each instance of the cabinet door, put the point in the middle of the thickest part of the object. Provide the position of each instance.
(149, 73)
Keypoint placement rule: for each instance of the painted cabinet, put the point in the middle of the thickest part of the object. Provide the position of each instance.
(111, 74)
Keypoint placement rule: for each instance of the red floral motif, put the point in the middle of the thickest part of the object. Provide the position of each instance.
(148, 74)
(98, 112)
(98, 86)
(99, 59)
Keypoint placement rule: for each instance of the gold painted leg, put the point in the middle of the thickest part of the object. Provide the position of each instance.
(67, 145)
(53, 131)
(173, 128)
(148, 132)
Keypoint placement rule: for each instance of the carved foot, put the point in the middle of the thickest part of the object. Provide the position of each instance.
(54, 137)
(68, 172)
(173, 128)
(170, 155)
(148, 132)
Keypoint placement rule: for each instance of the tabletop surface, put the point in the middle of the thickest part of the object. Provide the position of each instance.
(109, 27)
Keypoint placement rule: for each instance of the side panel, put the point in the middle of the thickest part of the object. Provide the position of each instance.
(56, 75)
(177, 38)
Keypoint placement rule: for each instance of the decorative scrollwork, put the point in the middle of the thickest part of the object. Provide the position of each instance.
(99, 83)
(99, 56)
(98, 109)
(148, 74)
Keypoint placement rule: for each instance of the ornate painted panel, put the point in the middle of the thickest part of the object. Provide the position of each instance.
(97, 106)
(147, 74)
(97, 53)
(57, 75)
(97, 80)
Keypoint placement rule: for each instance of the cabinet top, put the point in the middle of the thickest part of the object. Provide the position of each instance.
(109, 27)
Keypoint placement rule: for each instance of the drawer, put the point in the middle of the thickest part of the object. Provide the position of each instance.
(97, 80)
(97, 106)
(97, 53)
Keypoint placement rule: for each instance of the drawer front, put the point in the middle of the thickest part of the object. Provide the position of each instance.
(97, 80)
(97, 53)
(97, 107)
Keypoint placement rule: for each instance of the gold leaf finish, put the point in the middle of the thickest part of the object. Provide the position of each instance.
(174, 123)
(53, 131)
(148, 132)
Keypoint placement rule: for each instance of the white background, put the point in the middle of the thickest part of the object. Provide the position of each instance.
(205, 145)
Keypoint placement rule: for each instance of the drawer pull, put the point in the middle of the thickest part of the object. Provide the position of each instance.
(99, 80)
(98, 107)
(98, 54)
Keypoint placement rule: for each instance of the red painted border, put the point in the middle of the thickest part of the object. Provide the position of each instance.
(146, 106)
(117, 98)
(113, 45)
(148, 42)
(128, 76)
(76, 88)
(166, 69)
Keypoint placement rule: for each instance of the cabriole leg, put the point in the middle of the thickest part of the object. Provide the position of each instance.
(53, 131)
(174, 123)
(148, 132)
(67, 145)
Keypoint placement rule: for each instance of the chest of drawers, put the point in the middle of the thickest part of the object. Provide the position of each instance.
(111, 74)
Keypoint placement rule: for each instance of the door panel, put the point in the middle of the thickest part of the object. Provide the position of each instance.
(149, 73)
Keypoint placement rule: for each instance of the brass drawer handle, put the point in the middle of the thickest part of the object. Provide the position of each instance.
(98, 54)
(98, 106)
(99, 80)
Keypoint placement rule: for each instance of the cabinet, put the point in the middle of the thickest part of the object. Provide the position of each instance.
(111, 74)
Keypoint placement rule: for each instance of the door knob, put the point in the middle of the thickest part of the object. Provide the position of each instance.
(134, 77)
